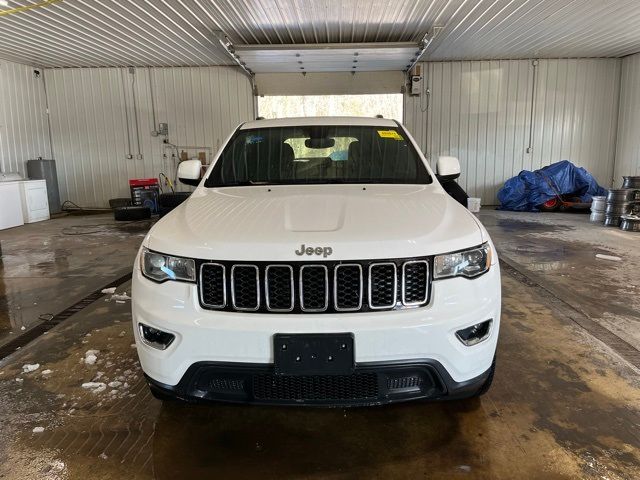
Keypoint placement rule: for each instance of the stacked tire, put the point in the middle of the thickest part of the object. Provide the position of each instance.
(132, 213)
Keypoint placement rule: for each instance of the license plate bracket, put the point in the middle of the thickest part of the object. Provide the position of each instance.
(313, 353)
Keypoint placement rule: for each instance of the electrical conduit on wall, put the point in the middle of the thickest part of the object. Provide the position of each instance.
(94, 122)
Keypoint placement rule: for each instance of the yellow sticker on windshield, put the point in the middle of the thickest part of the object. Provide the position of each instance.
(390, 134)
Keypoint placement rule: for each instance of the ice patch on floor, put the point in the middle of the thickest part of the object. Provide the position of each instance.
(120, 296)
(95, 387)
(30, 367)
(109, 291)
(91, 356)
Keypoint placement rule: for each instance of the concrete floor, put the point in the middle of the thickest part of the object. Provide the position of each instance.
(50, 265)
(565, 402)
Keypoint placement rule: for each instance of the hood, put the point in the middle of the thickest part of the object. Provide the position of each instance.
(352, 221)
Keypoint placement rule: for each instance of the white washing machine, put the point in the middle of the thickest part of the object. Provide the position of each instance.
(35, 203)
(10, 205)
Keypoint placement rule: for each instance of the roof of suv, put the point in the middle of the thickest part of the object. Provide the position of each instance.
(305, 121)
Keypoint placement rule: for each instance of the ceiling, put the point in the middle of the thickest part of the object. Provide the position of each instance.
(84, 33)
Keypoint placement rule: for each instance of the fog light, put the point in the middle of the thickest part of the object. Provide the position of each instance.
(155, 338)
(475, 333)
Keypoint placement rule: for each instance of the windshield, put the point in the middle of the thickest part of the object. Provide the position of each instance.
(318, 154)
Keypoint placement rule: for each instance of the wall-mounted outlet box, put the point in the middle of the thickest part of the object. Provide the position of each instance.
(415, 87)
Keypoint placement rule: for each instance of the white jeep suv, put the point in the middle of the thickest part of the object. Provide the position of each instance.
(319, 261)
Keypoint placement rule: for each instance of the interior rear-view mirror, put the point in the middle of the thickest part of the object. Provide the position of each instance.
(319, 142)
(189, 172)
(447, 168)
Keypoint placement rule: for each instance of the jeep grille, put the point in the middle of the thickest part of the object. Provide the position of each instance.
(300, 287)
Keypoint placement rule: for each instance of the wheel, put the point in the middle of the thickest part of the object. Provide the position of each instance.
(487, 383)
(132, 213)
(119, 202)
(550, 205)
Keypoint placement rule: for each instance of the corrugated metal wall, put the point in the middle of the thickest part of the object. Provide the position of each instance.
(628, 144)
(480, 111)
(23, 117)
(95, 125)
(576, 114)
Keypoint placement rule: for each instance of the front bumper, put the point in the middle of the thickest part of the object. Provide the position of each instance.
(370, 384)
(386, 337)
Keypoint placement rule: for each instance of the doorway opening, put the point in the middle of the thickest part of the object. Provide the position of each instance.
(388, 105)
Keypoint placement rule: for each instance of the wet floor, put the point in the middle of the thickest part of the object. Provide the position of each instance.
(563, 405)
(47, 266)
(559, 250)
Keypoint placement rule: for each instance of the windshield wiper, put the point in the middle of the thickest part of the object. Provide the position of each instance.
(244, 183)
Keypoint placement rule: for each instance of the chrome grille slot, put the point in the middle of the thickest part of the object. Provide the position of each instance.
(213, 288)
(245, 287)
(415, 282)
(383, 285)
(347, 287)
(279, 293)
(314, 288)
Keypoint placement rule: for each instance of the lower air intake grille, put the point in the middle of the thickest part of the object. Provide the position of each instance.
(315, 387)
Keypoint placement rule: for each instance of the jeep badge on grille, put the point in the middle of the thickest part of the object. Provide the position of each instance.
(304, 250)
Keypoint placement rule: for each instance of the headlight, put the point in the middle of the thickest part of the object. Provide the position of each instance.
(159, 267)
(469, 263)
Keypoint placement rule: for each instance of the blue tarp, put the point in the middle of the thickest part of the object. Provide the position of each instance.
(529, 190)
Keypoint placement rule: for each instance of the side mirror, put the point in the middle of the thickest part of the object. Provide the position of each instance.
(189, 172)
(447, 169)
